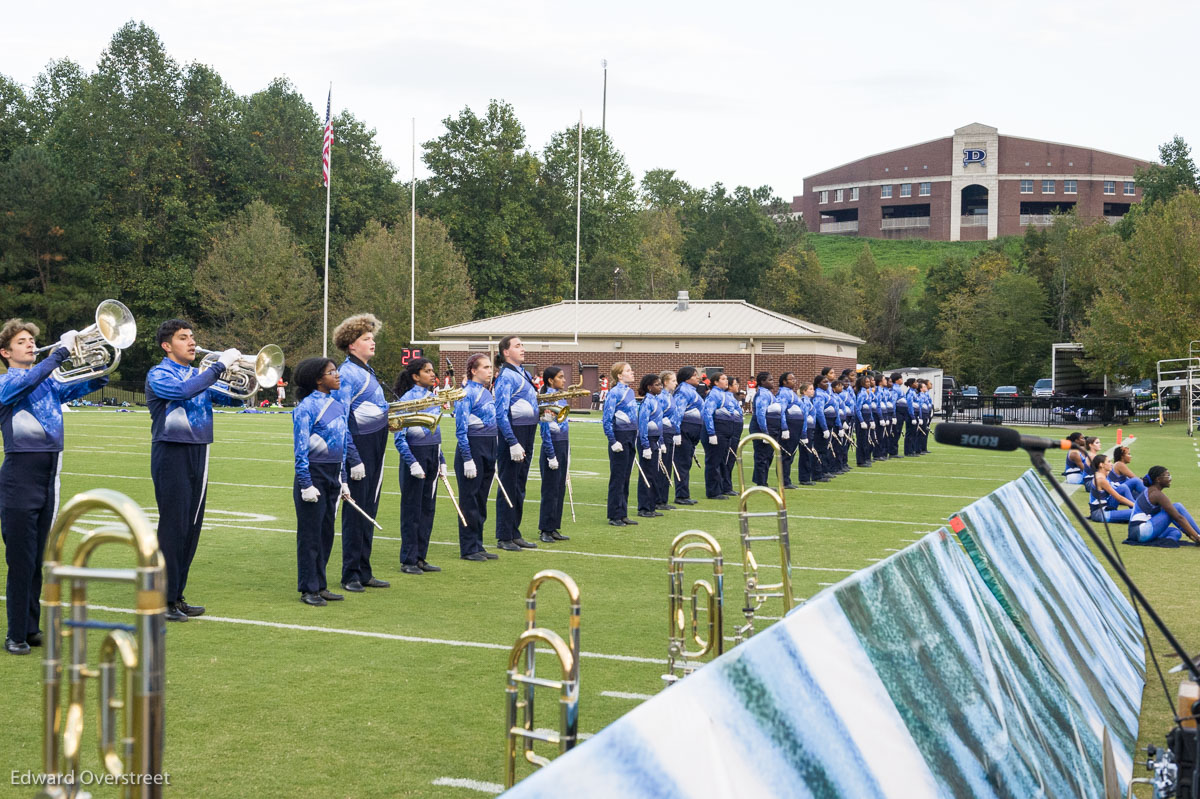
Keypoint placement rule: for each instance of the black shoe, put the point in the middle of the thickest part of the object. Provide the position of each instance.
(791, 485)
(730, 494)
(329, 596)
(475, 556)
(557, 536)
(823, 479)
(523, 544)
(375, 582)
(616, 523)
(628, 520)
(546, 538)
(410, 568)
(34, 639)
(508, 546)
(490, 555)
(311, 599)
(648, 514)
(806, 483)
(174, 613)
(684, 501)
(718, 496)
(14, 648)
(425, 566)
(190, 610)
(354, 587)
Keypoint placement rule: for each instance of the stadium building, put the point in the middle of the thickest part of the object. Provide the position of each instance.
(974, 185)
(655, 335)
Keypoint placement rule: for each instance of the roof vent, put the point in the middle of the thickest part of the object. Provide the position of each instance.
(681, 303)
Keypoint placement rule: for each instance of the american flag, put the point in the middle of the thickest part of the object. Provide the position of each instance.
(328, 143)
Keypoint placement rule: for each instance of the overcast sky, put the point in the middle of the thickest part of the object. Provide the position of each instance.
(742, 93)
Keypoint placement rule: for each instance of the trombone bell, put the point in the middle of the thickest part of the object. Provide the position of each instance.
(683, 610)
(758, 592)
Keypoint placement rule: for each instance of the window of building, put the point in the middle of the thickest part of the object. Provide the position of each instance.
(854, 195)
(1110, 187)
(1129, 188)
(885, 192)
(1047, 187)
(905, 189)
(924, 189)
(824, 197)
(1070, 186)
(837, 196)
(1027, 186)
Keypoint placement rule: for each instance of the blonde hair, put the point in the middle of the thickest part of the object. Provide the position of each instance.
(617, 368)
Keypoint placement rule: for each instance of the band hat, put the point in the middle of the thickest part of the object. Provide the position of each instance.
(350, 329)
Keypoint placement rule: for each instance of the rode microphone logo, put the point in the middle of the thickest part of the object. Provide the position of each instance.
(974, 156)
(985, 442)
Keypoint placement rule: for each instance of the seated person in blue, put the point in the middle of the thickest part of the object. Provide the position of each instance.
(1108, 502)
(1155, 516)
(1124, 475)
(1076, 466)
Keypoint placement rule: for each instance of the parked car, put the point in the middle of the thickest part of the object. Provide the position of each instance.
(949, 388)
(1007, 396)
(969, 397)
(1043, 388)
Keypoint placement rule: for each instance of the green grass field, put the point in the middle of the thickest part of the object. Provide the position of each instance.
(388, 691)
(840, 252)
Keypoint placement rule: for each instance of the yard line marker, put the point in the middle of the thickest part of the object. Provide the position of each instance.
(626, 695)
(471, 785)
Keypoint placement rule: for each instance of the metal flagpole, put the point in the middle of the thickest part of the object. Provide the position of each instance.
(327, 148)
(412, 279)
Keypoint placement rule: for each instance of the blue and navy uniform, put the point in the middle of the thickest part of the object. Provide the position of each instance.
(1105, 508)
(832, 409)
(366, 417)
(722, 421)
(793, 412)
(1073, 471)
(733, 409)
(864, 417)
(912, 406)
(845, 400)
(813, 419)
(768, 418)
(619, 421)
(418, 495)
(556, 443)
(517, 419)
(1150, 521)
(650, 419)
(670, 429)
(686, 405)
(475, 429)
(320, 439)
(891, 397)
(180, 399)
(900, 392)
(31, 420)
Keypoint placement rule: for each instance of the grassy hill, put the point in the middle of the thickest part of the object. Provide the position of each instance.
(840, 252)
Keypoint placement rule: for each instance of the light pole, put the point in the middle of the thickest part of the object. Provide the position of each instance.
(604, 100)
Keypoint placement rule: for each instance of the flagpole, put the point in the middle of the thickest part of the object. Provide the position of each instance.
(328, 180)
(412, 242)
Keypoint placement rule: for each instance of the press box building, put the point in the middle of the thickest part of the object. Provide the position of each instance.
(974, 185)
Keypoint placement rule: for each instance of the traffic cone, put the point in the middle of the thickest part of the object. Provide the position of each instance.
(1118, 436)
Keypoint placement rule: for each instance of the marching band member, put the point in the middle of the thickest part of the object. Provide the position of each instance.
(475, 458)
(912, 417)
(1155, 516)
(181, 429)
(320, 436)
(620, 428)
(670, 434)
(736, 413)
(1075, 467)
(793, 411)
(1122, 474)
(517, 419)
(886, 411)
(812, 437)
(689, 429)
(1105, 498)
(900, 423)
(721, 421)
(768, 418)
(826, 413)
(843, 394)
(31, 402)
(927, 416)
(556, 447)
(650, 443)
(865, 422)
(366, 417)
(421, 465)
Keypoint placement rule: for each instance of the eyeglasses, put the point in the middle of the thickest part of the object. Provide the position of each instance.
(330, 372)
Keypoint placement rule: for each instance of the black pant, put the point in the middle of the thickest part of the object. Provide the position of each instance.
(180, 473)
(314, 526)
(825, 446)
(554, 487)
(620, 464)
(690, 437)
(28, 504)
(901, 426)
(863, 454)
(473, 493)
(764, 453)
(910, 437)
(418, 500)
(663, 476)
(734, 434)
(358, 534)
(648, 494)
(513, 476)
(714, 461)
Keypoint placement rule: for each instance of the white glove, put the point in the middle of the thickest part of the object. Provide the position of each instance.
(872, 425)
(825, 433)
(786, 435)
(677, 440)
(416, 471)
(469, 470)
(662, 447)
(442, 471)
(804, 441)
(309, 494)
(712, 440)
(358, 472)
(863, 425)
(553, 464)
(68, 339)
(616, 447)
(229, 357)
(516, 453)
(345, 491)
(646, 453)
(548, 416)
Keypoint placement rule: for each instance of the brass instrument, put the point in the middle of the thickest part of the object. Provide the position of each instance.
(134, 752)
(243, 379)
(757, 592)
(411, 413)
(683, 621)
(97, 349)
(571, 392)
(568, 685)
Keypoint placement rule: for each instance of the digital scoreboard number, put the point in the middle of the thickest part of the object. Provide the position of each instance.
(410, 354)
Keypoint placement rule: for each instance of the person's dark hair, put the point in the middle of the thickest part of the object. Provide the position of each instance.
(407, 378)
(12, 328)
(647, 381)
(169, 328)
(896, 377)
(714, 377)
(783, 378)
(1097, 460)
(910, 382)
(685, 374)
(817, 380)
(500, 348)
(1076, 439)
(1119, 453)
(1152, 476)
(473, 363)
(860, 383)
(837, 383)
(1089, 440)
(307, 374)
(548, 374)
(733, 380)
(763, 379)
(825, 370)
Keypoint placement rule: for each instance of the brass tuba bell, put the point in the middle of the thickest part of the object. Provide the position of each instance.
(248, 374)
(97, 349)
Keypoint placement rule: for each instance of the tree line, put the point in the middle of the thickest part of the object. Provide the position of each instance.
(155, 183)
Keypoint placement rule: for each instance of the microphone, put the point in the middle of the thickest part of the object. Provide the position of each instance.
(984, 436)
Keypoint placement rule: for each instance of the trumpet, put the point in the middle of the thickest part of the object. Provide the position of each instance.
(413, 413)
(90, 357)
(548, 403)
(683, 620)
(248, 374)
(757, 593)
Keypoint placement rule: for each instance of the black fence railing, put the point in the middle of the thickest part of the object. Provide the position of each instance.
(1059, 411)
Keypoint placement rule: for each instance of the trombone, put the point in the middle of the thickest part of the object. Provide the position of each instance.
(248, 374)
(568, 686)
(135, 756)
(90, 357)
(757, 592)
(683, 609)
(414, 412)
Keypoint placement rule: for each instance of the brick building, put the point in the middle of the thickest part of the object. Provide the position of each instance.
(971, 186)
(654, 335)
